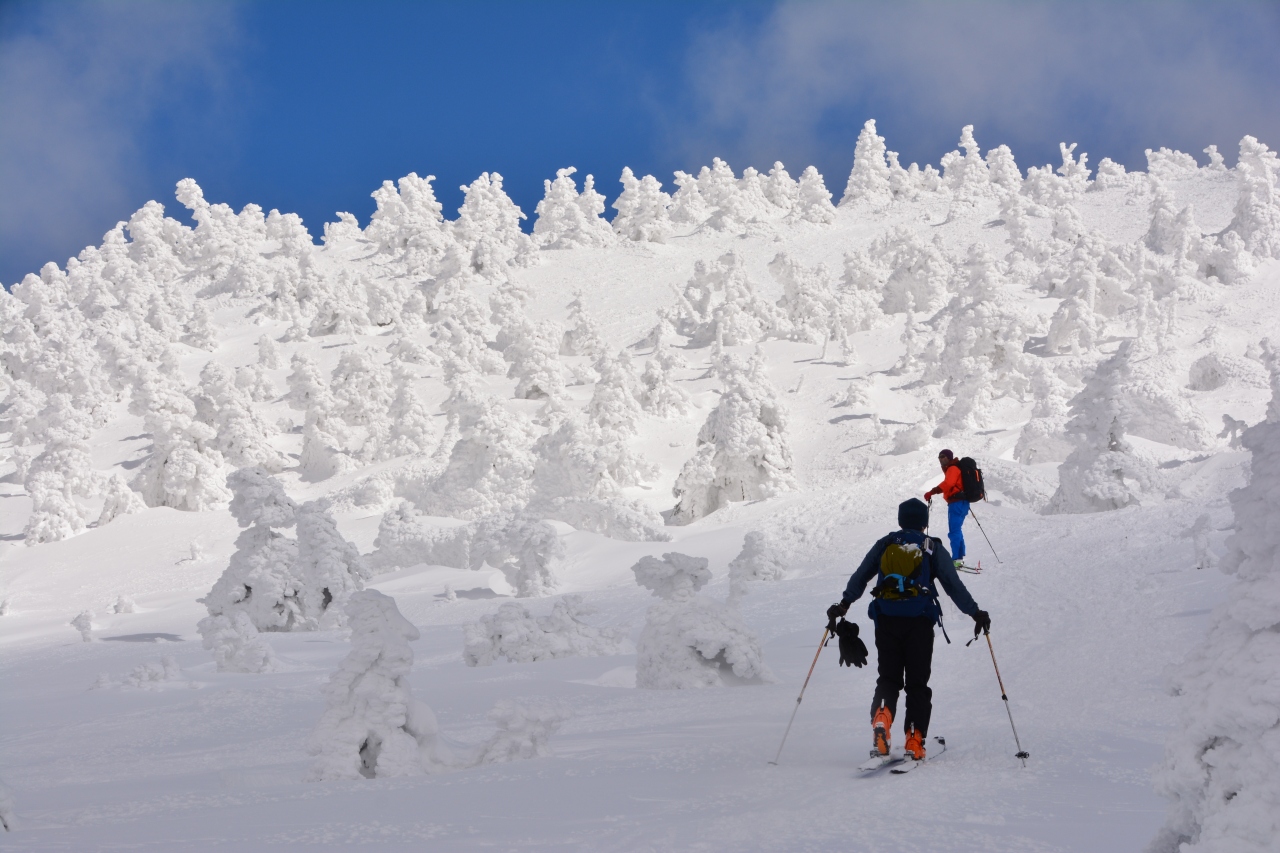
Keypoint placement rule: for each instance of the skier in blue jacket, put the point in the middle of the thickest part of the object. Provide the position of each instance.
(908, 566)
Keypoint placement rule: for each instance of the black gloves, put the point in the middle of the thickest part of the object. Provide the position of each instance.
(981, 623)
(834, 612)
(853, 652)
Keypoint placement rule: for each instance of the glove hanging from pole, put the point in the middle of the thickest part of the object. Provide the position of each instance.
(981, 623)
(853, 652)
(834, 612)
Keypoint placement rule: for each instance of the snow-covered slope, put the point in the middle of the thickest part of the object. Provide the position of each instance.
(454, 412)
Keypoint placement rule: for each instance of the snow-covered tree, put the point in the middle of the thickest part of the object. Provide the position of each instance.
(1257, 213)
(688, 641)
(184, 470)
(869, 178)
(759, 560)
(409, 222)
(583, 336)
(534, 355)
(743, 450)
(525, 549)
(372, 726)
(513, 633)
(780, 188)
(488, 230)
(235, 643)
(1219, 769)
(241, 435)
(689, 209)
(813, 201)
(642, 209)
(261, 580)
(721, 303)
(567, 218)
(329, 569)
(84, 624)
(659, 395)
(966, 175)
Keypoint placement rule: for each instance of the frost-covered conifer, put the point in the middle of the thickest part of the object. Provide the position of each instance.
(1257, 212)
(513, 633)
(1043, 438)
(268, 353)
(759, 560)
(743, 451)
(659, 395)
(642, 209)
(409, 423)
(583, 336)
(488, 230)
(525, 549)
(915, 266)
(241, 435)
(689, 641)
(567, 219)
(253, 380)
(346, 228)
(61, 477)
(406, 538)
(200, 332)
(117, 499)
(730, 210)
(688, 208)
(324, 441)
(534, 355)
(1173, 232)
(341, 308)
(1219, 766)
(408, 221)
(721, 303)
(983, 354)
(869, 178)
(808, 299)
(966, 175)
(1003, 170)
(813, 201)
(780, 188)
(235, 643)
(462, 328)
(489, 466)
(84, 624)
(372, 726)
(1123, 397)
(260, 580)
(362, 388)
(524, 728)
(184, 470)
(329, 569)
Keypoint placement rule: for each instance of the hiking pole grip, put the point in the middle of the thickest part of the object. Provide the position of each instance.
(826, 633)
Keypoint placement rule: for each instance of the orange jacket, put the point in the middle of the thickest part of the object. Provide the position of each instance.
(950, 487)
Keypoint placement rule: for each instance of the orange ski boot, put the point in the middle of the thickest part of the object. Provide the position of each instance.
(915, 744)
(881, 723)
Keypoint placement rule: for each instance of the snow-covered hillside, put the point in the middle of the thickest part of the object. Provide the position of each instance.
(427, 533)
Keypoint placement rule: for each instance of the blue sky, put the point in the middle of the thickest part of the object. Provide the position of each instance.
(309, 106)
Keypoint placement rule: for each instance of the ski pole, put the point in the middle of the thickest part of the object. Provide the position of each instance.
(985, 536)
(1022, 754)
(821, 645)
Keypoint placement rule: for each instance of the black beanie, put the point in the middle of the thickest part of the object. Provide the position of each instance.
(913, 514)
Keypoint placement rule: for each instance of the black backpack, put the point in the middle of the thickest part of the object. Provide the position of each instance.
(971, 480)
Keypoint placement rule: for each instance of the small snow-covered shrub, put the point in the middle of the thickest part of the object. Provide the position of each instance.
(524, 548)
(151, 675)
(514, 634)
(759, 560)
(524, 729)
(84, 624)
(235, 643)
(404, 539)
(689, 641)
(372, 726)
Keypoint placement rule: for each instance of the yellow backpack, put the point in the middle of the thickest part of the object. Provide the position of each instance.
(901, 572)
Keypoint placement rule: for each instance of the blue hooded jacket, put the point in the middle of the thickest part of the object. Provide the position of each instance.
(938, 571)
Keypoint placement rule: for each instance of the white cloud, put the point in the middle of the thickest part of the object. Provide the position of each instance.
(78, 84)
(1129, 75)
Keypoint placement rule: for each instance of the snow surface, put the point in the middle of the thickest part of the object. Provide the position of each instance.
(487, 415)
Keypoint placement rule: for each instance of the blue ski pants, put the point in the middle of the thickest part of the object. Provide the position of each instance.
(957, 512)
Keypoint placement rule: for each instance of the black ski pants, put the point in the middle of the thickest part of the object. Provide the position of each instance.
(904, 649)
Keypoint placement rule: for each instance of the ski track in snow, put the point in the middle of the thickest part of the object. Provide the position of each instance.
(1089, 613)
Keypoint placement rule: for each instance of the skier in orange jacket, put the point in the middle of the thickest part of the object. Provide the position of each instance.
(952, 491)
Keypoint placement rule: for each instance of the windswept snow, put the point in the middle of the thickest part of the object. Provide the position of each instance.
(270, 506)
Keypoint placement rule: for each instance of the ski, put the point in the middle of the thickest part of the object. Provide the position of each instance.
(973, 570)
(908, 766)
(879, 762)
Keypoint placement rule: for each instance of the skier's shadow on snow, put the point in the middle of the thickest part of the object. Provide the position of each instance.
(145, 638)
(842, 418)
(477, 593)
